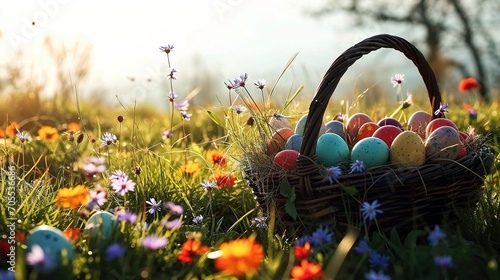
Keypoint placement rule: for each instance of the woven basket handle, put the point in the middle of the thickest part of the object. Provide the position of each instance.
(339, 67)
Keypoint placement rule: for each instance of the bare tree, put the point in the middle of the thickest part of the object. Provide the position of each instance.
(447, 24)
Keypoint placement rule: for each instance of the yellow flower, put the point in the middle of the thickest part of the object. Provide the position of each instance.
(189, 168)
(73, 126)
(72, 197)
(48, 133)
(240, 257)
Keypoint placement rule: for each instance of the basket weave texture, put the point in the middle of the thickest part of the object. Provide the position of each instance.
(410, 197)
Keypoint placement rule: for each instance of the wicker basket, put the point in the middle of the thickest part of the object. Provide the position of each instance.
(410, 197)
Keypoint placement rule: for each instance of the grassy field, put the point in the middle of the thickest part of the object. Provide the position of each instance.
(133, 193)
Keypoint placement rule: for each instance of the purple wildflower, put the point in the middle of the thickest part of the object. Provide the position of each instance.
(166, 134)
(240, 82)
(174, 208)
(239, 109)
(127, 217)
(154, 242)
(183, 106)
(260, 84)
(362, 247)
(443, 261)
(332, 173)
(372, 275)
(115, 250)
(375, 259)
(357, 166)
(370, 211)
(172, 75)
(185, 115)
(397, 79)
(36, 257)
(260, 222)
(167, 49)
(172, 96)
(96, 199)
(175, 223)
(321, 236)
(435, 236)
(442, 109)
(153, 206)
(22, 136)
(198, 220)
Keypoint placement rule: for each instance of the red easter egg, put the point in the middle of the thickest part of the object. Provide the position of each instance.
(387, 133)
(437, 123)
(354, 123)
(287, 159)
(462, 150)
(278, 140)
(367, 130)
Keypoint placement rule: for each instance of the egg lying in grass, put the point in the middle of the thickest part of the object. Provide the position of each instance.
(372, 151)
(331, 149)
(444, 142)
(408, 149)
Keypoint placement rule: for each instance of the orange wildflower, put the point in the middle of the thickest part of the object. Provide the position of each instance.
(191, 249)
(189, 168)
(10, 131)
(307, 270)
(72, 197)
(224, 180)
(73, 126)
(240, 257)
(302, 252)
(467, 107)
(468, 84)
(216, 157)
(2, 133)
(72, 233)
(48, 133)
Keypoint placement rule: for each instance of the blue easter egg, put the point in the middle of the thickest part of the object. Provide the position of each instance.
(335, 127)
(331, 149)
(294, 142)
(102, 226)
(372, 151)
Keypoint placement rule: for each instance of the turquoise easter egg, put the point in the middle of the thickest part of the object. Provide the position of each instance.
(294, 142)
(331, 149)
(57, 250)
(301, 125)
(372, 151)
(101, 227)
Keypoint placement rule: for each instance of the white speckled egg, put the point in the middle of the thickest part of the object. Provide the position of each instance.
(372, 151)
(331, 149)
(408, 149)
(444, 142)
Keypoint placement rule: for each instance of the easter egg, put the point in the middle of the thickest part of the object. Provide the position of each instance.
(437, 123)
(294, 142)
(335, 127)
(418, 122)
(287, 159)
(444, 142)
(102, 227)
(57, 249)
(367, 130)
(462, 151)
(372, 151)
(301, 125)
(390, 121)
(408, 149)
(331, 149)
(353, 124)
(277, 123)
(387, 133)
(278, 140)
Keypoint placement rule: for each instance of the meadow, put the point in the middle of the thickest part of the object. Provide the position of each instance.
(135, 193)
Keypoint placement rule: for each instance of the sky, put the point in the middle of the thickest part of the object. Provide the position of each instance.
(224, 37)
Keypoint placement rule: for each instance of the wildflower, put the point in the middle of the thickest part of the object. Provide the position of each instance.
(240, 82)
(172, 75)
(198, 220)
(113, 251)
(397, 79)
(332, 173)
(22, 136)
(153, 206)
(307, 270)
(260, 84)
(472, 114)
(36, 257)
(442, 109)
(120, 119)
(278, 116)
(72, 197)
(108, 139)
(409, 100)
(303, 240)
(126, 217)
(357, 166)
(240, 257)
(362, 247)
(186, 116)
(73, 126)
(370, 211)
(174, 224)
(372, 275)
(48, 133)
(174, 208)
(2, 133)
(443, 261)
(93, 165)
(11, 129)
(435, 236)
(189, 168)
(118, 175)
(122, 185)
(166, 134)
(224, 180)
(321, 236)
(154, 242)
(229, 85)
(375, 259)
(340, 117)
(183, 106)
(167, 49)
(216, 157)
(190, 250)
(239, 109)
(302, 252)
(97, 198)
(260, 222)
(208, 185)
(72, 233)
(172, 96)
(468, 84)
